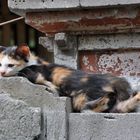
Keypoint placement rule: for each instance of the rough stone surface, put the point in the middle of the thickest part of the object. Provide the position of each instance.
(47, 42)
(61, 40)
(20, 88)
(67, 57)
(54, 110)
(18, 121)
(56, 119)
(43, 5)
(37, 5)
(107, 3)
(112, 41)
(104, 126)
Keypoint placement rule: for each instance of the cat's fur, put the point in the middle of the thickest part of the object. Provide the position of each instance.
(95, 92)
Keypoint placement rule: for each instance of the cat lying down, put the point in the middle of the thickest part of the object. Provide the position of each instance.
(94, 92)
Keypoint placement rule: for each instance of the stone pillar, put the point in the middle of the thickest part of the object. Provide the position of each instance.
(64, 47)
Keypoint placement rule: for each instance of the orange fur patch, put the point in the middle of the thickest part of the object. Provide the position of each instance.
(79, 101)
(23, 49)
(101, 105)
(59, 74)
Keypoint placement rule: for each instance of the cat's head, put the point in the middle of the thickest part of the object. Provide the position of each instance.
(13, 59)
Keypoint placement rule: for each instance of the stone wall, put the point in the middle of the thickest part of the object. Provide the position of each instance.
(29, 112)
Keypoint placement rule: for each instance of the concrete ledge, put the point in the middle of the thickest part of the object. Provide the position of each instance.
(109, 41)
(53, 123)
(21, 6)
(22, 89)
(107, 3)
(104, 126)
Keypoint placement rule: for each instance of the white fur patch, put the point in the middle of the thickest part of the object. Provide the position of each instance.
(4, 62)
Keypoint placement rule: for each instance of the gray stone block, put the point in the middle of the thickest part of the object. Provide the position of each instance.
(113, 41)
(18, 121)
(47, 42)
(20, 88)
(107, 3)
(61, 40)
(94, 126)
(67, 57)
(57, 125)
(54, 110)
(56, 119)
(20, 7)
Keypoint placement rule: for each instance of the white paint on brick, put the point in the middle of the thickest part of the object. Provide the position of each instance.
(127, 63)
(85, 60)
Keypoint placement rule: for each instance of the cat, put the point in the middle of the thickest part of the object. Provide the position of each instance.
(94, 92)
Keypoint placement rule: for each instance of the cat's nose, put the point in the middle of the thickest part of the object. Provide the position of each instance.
(2, 73)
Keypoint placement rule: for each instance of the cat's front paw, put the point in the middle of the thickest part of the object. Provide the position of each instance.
(52, 90)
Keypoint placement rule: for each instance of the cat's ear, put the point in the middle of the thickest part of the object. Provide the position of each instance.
(23, 51)
(2, 48)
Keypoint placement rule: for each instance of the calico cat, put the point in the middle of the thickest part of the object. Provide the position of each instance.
(95, 92)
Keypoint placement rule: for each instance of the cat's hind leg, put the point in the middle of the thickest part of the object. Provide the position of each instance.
(128, 105)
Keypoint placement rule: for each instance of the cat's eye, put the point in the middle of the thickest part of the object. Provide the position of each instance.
(0, 64)
(11, 65)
